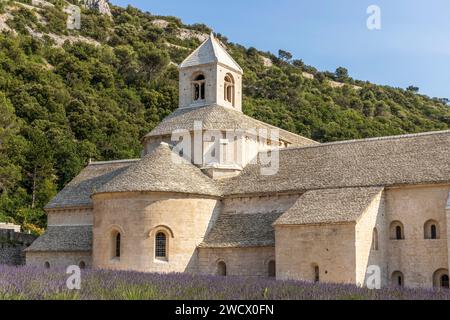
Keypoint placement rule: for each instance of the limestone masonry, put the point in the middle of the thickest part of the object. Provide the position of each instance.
(326, 213)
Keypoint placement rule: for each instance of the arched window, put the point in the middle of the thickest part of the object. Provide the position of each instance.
(271, 268)
(116, 244)
(431, 230)
(229, 89)
(199, 88)
(396, 231)
(375, 239)
(397, 279)
(221, 269)
(161, 246)
(82, 265)
(47, 265)
(441, 279)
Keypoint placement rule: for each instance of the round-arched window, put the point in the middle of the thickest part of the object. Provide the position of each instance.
(199, 88)
(161, 245)
(221, 269)
(229, 89)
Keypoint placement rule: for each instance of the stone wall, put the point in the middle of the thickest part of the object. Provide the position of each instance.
(331, 248)
(59, 259)
(12, 246)
(252, 262)
(75, 217)
(416, 257)
(139, 217)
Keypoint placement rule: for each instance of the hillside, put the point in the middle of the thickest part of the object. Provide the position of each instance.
(67, 96)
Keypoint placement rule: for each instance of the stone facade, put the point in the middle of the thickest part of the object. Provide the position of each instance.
(12, 244)
(138, 218)
(329, 212)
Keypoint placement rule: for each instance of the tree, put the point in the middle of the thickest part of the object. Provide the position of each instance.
(284, 55)
(413, 89)
(341, 74)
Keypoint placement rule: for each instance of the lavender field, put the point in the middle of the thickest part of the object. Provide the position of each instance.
(40, 284)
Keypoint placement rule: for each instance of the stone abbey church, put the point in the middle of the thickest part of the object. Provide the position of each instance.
(328, 213)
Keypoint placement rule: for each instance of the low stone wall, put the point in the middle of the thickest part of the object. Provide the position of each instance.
(12, 246)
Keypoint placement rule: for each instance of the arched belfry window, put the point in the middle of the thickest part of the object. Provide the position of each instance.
(161, 246)
(229, 89)
(199, 88)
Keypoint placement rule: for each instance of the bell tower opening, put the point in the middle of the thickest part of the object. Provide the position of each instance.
(229, 89)
(198, 88)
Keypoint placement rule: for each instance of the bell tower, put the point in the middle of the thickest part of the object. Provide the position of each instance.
(210, 76)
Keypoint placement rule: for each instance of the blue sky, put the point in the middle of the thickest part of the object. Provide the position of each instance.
(412, 47)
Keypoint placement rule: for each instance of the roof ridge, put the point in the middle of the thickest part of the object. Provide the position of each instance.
(96, 163)
(386, 138)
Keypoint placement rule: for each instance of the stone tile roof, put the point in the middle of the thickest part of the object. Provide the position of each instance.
(63, 239)
(216, 117)
(77, 193)
(210, 51)
(158, 172)
(401, 160)
(233, 230)
(329, 206)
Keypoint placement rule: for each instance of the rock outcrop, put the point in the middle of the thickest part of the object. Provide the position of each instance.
(101, 6)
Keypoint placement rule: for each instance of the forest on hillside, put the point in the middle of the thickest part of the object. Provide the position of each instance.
(67, 96)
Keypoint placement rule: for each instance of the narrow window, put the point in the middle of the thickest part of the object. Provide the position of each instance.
(199, 88)
(396, 231)
(47, 265)
(161, 246)
(221, 269)
(272, 268)
(229, 89)
(82, 265)
(316, 274)
(445, 281)
(375, 239)
(117, 246)
(433, 232)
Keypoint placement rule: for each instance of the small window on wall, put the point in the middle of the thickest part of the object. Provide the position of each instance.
(116, 245)
(47, 265)
(397, 231)
(316, 271)
(82, 265)
(221, 269)
(397, 279)
(441, 279)
(161, 246)
(272, 268)
(375, 239)
(431, 230)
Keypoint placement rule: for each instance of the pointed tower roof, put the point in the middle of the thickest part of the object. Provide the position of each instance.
(210, 51)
